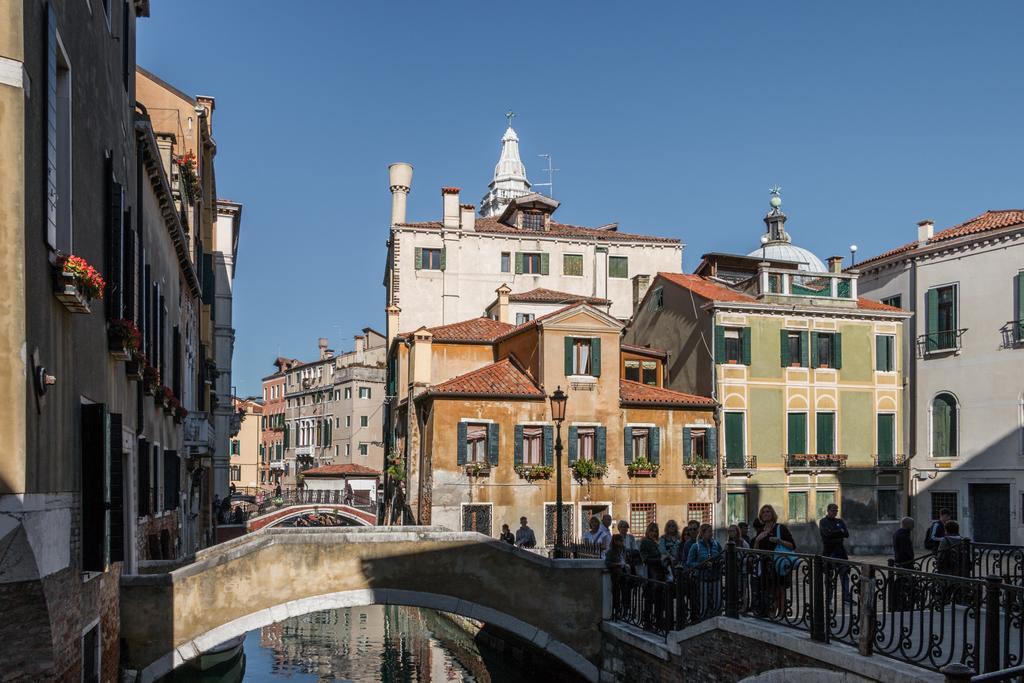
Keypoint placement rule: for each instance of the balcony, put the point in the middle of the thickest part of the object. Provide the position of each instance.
(1013, 333)
(746, 464)
(814, 462)
(936, 343)
(891, 462)
(277, 465)
(199, 433)
(303, 451)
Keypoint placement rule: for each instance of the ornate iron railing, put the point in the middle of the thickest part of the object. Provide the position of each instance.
(980, 560)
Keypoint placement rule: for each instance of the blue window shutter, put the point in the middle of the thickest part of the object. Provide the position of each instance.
(655, 449)
(492, 444)
(837, 351)
(461, 451)
(600, 441)
(627, 445)
(549, 445)
(687, 446)
(568, 355)
(573, 445)
(711, 443)
(419, 258)
(517, 452)
(595, 357)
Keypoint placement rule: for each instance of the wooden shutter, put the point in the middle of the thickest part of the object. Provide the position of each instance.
(549, 444)
(115, 247)
(131, 276)
(600, 443)
(142, 487)
(444, 258)
(545, 263)
(492, 444)
(519, 263)
(595, 357)
(881, 353)
(286, 440)
(517, 449)
(1020, 306)
(784, 344)
(803, 349)
(569, 342)
(208, 280)
(719, 344)
(627, 445)
(171, 480)
(797, 433)
(931, 305)
(95, 465)
(573, 444)
(654, 436)
(176, 362)
(886, 437)
(815, 361)
(117, 488)
(687, 446)
(745, 344)
(734, 450)
(711, 444)
(837, 351)
(460, 452)
(50, 93)
(825, 437)
(419, 258)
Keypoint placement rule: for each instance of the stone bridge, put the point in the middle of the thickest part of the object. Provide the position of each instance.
(277, 516)
(275, 573)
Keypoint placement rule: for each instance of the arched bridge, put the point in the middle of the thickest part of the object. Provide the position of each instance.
(275, 573)
(286, 514)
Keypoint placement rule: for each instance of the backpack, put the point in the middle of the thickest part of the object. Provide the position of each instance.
(929, 542)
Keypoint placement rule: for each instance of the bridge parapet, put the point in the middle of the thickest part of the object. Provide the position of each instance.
(274, 573)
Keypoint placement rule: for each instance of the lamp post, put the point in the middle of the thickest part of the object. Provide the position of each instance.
(558, 400)
(764, 245)
(853, 255)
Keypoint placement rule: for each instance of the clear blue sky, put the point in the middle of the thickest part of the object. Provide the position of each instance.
(670, 118)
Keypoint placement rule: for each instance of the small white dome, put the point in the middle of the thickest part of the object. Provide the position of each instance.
(784, 251)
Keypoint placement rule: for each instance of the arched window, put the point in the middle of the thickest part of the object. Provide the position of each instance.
(944, 426)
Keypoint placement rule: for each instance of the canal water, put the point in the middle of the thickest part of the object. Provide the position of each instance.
(375, 643)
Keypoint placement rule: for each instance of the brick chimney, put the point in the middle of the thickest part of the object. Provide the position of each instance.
(503, 312)
(925, 231)
(641, 283)
(450, 207)
(322, 344)
(391, 329)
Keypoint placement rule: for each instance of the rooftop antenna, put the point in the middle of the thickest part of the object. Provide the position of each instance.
(550, 184)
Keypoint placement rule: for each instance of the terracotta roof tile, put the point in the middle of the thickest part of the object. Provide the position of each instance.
(504, 378)
(475, 330)
(350, 469)
(541, 295)
(492, 225)
(872, 305)
(707, 288)
(990, 220)
(637, 393)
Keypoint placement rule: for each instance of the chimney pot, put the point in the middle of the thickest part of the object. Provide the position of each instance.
(641, 283)
(400, 182)
(503, 305)
(835, 264)
(467, 216)
(925, 231)
(450, 207)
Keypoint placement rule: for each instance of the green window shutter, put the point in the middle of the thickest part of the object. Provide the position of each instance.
(745, 342)
(627, 445)
(286, 436)
(595, 357)
(600, 441)
(655, 449)
(419, 258)
(492, 444)
(814, 349)
(1020, 306)
(826, 433)
(931, 306)
(803, 349)
(95, 501)
(837, 351)
(568, 355)
(549, 444)
(784, 344)
(519, 263)
(797, 433)
(719, 344)
(444, 257)
(881, 351)
(711, 444)
(687, 446)
(460, 456)
(886, 438)
(116, 472)
(734, 452)
(517, 448)
(573, 446)
(545, 264)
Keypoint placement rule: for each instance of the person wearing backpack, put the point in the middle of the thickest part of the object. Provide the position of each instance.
(937, 530)
(949, 559)
(776, 574)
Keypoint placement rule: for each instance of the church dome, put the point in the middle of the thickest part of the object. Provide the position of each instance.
(784, 251)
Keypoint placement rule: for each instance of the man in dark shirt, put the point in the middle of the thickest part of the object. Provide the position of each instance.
(937, 530)
(833, 530)
(903, 544)
(525, 538)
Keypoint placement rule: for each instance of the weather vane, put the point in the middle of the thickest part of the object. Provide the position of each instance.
(776, 200)
(510, 115)
(775, 191)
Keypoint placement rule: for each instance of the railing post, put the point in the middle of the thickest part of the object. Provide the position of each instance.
(732, 581)
(818, 600)
(992, 622)
(957, 673)
(967, 558)
(867, 610)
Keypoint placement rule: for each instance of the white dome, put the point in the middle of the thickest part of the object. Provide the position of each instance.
(784, 251)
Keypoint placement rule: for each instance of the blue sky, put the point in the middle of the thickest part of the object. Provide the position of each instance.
(670, 118)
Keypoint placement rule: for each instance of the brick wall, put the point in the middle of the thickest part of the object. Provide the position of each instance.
(153, 526)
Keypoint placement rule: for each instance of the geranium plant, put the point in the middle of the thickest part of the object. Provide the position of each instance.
(642, 465)
(701, 469)
(477, 468)
(587, 469)
(535, 471)
(125, 332)
(187, 163)
(86, 278)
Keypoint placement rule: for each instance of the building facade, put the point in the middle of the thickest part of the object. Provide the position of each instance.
(272, 425)
(244, 447)
(808, 377)
(964, 356)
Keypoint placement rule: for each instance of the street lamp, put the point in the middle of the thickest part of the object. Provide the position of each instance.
(558, 401)
(764, 244)
(853, 254)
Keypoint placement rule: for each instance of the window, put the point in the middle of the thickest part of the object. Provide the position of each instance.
(236, 473)
(733, 345)
(698, 445)
(524, 317)
(736, 508)
(824, 350)
(58, 143)
(658, 298)
(650, 372)
(894, 301)
(477, 518)
(348, 449)
(364, 421)
(585, 443)
(572, 265)
(348, 392)
(533, 220)
(822, 500)
(735, 455)
(941, 318)
(796, 433)
(885, 353)
(888, 505)
(633, 370)
(826, 436)
(235, 447)
(364, 392)
(429, 259)
(476, 443)
(549, 522)
(641, 443)
(794, 348)
(700, 512)
(531, 264)
(640, 515)
(533, 445)
(364, 448)
(91, 654)
(944, 500)
(618, 266)
(798, 506)
(944, 426)
(581, 356)
(506, 262)
(348, 420)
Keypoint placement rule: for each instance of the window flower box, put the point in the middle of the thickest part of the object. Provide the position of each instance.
(77, 283)
(534, 472)
(151, 380)
(123, 339)
(700, 469)
(478, 469)
(585, 470)
(135, 367)
(642, 467)
(180, 414)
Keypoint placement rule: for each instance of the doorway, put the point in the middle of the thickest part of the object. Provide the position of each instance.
(990, 512)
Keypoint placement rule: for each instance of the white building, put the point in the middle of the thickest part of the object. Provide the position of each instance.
(225, 252)
(440, 272)
(965, 364)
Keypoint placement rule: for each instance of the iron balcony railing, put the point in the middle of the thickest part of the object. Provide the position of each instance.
(814, 461)
(939, 342)
(891, 461)
(1013, 333)
(745, 463)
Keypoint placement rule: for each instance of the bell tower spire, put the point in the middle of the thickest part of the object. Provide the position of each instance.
(509, 179)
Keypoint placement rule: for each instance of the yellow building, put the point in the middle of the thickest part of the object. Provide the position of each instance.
(473, 436)
(244, 448)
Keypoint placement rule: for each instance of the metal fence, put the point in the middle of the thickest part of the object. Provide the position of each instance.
(977, 560)
(255, 501)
